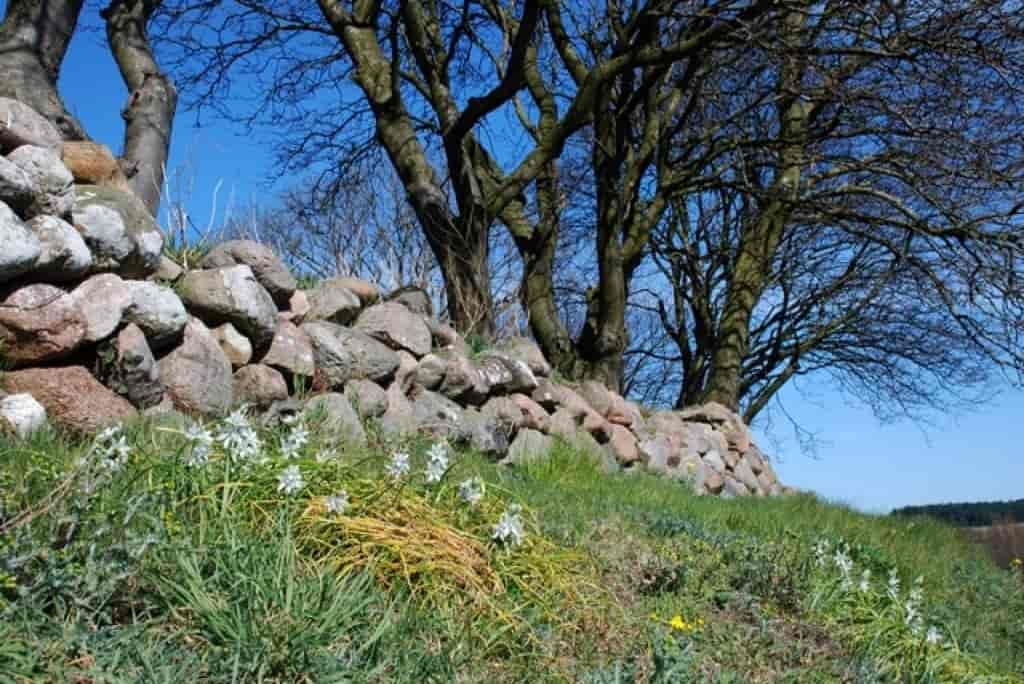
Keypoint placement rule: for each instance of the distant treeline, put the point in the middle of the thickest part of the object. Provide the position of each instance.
(969, 514)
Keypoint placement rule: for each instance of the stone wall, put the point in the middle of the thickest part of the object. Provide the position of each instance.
(96, 326)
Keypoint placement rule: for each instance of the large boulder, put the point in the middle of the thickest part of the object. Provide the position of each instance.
(333, 413)
(119, 231)
(343, 354)
(268, 268)
(157, 310)
(526, 350)
(26, 124)
(367, 292)
(91, 163)
(74, 400)
(291, 351)
(529, 446)
(506, 375)
(258, 385)
(463, 381)
(135, 374)
(63, 254)
(533, 414)
(231, 295)
(22, 414)
(101, 300)
(332, 301)
(19, 246)
(430, 371)
(53, 183)
(413, 298)
(197, 375)
(437, 415)
(39, 323)
(483, 434)
(17, 189)
(396, 326)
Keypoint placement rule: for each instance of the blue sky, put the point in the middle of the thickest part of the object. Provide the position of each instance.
(972, 456)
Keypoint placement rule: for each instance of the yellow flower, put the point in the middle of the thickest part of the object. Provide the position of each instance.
(679, 623)
(1017, 562)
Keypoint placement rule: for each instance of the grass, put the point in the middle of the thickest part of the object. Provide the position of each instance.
(155, 570)
(1004, 540)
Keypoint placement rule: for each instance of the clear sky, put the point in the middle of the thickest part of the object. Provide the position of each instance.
(972, 456)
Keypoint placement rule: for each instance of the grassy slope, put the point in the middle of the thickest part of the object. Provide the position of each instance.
(170, 573)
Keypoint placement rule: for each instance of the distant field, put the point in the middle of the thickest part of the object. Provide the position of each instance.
(1005, 541)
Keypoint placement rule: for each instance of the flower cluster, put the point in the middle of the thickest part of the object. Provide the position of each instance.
(399, 465)
(337, 503)
(292, 443)
(471, 490)
(437, 462)
(680, 624)
(509, 529)
(290, 481)
(200, 444)
(238, 437)
(112, 450)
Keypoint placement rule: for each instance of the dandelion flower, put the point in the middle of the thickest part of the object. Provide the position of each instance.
(337, 503)
(290, 481)
(471, 490)
(678, 623)
(399, 466)
(509, 529)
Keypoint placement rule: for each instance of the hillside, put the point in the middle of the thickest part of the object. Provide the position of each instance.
(163, 551)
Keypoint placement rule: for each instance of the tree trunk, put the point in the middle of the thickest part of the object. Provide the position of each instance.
(34, 39)
(152, 99)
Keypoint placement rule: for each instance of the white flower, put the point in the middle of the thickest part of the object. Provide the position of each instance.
(399, 466)
(337, 503)
(238, 437)
(509, 529)
(290, 480)
(893, 587)
(865, 581)
(115, 454)
(197, 434)
(933, 635)
(108, 433)
(471, 490)
(325, 455)
(821, 550)
(199, 455)
(293, 442)
(438, 463)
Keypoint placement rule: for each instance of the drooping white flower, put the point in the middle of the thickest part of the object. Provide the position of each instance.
(197, 434)
(238, 437)
(399, 466)
(933, 635)
(865, 581)
(290, 481)
(437, 464)
(337, 503)
(893, 586)
(509, 529)
(293, 442)
(199, 455)
(471, 490)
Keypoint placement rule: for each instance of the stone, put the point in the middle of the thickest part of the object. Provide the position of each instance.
(74, 400)
(533, 414)
(101, 300)
(714, 482)
(597, 395)
(563, 424)
(505, 411)
(234, 344)
(742, 472)
(91, 163)
(436, 414)
(624, 447)
(118, 229)
(552, 397)
(25, 123)
(19, 246)
(168, 271)
(53, 183)
(63, 254)
(623, 412)
(258, 385)
(135, 374)
(758, 462)
(369, 399)
(231, 295)
(734, 488)
(397, 327)
(367, 292)
(298, 306)
(17, 189)
(268, 268)
(483, 434)
(713, 460)
(22, 413)
(196, 374)
(529, 446)
(463, 380)
(445, 336)
(405, 376)
(430, 371)
(526, 350)
(334, 414)
(39, 323)
(398, 420)
(414, 299)
(331, 301)
(157, 310)
(291, 351)
(343, 354)
(506, 375)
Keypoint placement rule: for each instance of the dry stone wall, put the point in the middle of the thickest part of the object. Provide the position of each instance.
(96, 326)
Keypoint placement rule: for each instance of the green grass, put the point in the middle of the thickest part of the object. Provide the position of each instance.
(157, 571)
